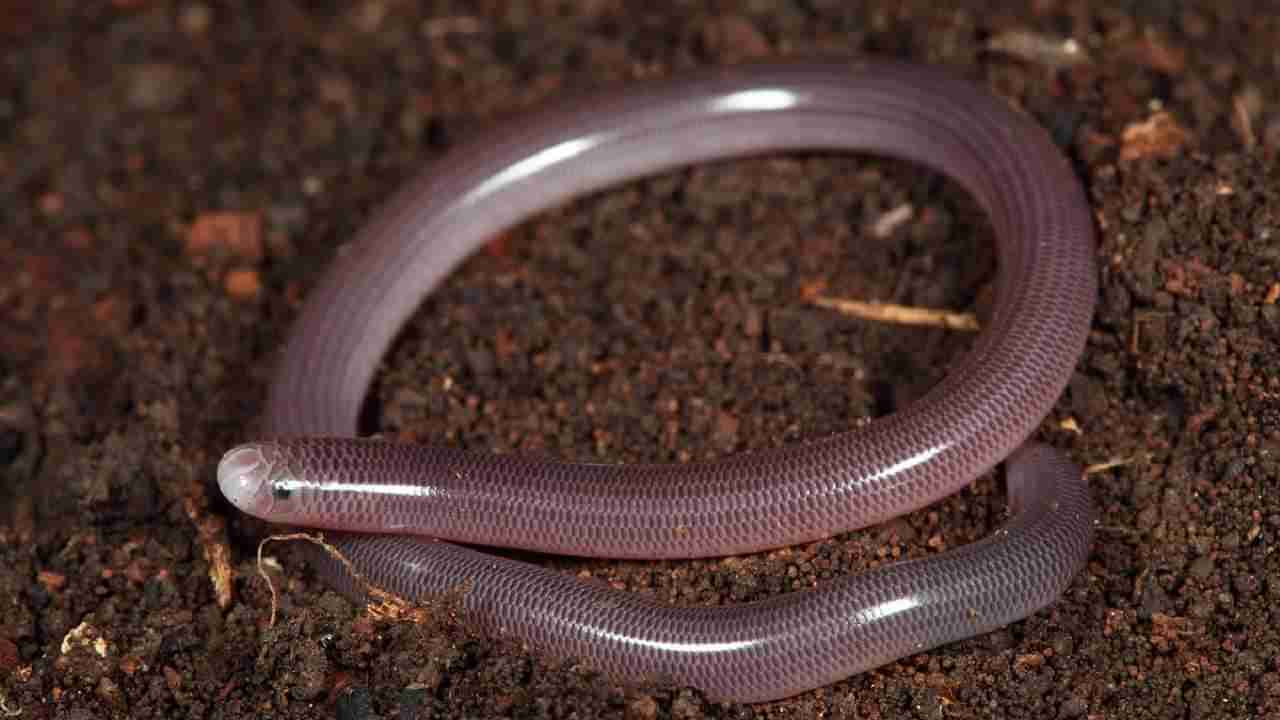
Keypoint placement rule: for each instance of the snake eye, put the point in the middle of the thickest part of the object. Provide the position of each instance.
(280, 490)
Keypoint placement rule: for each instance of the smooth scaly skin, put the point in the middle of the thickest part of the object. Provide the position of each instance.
(781, 646)
(983, 410)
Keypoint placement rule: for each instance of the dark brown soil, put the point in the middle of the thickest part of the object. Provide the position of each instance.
(664, 320)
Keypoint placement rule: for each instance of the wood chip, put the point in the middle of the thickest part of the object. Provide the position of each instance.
(1053, 52)
(211, 536)
(226, 234)
(1096, 468)
(1157, 136)
(1244, 106)
(892, 220)
(899, 314)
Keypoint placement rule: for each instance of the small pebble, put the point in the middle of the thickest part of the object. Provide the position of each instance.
(243, 284)
(235, 234)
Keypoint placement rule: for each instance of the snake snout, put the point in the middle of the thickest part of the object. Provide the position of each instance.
(243, 475)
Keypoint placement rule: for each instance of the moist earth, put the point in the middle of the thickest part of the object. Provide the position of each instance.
(174, 177)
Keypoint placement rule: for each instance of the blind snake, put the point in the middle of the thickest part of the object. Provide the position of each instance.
(402, 506)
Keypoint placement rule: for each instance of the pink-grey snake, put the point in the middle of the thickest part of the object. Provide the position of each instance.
(401, 503)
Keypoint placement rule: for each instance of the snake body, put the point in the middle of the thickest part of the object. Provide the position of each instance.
(402, 506)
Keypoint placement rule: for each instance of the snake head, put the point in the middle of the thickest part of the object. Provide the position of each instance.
(245, 478)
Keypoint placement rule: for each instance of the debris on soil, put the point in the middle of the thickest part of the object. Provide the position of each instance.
(899, 314)
(1158, 136)
(1054, 53)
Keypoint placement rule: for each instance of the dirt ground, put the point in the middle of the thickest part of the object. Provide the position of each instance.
(174, 175)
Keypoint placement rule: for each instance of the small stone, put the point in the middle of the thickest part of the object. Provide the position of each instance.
(243, 284)
(51, 203)
(52, 581)
(1027, 663)
(226, 234)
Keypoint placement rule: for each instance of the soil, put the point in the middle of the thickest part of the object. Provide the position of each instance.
(174, 176)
